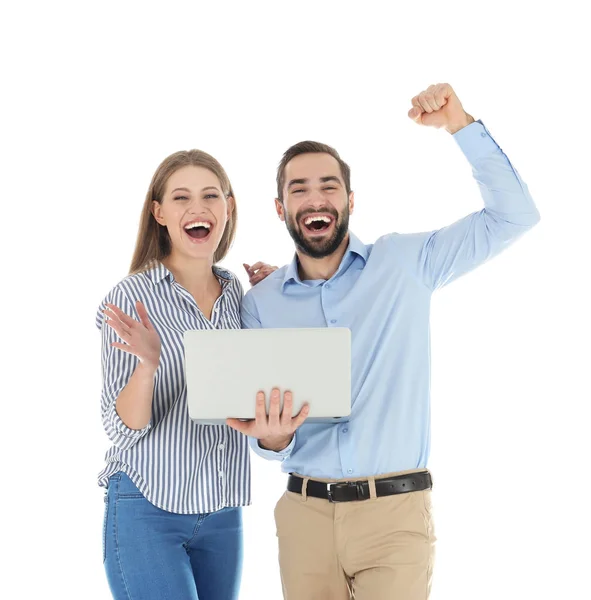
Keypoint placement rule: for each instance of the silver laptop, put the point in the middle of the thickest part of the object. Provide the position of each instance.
(225, 368)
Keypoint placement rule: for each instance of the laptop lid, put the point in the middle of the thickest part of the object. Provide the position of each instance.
(225, 368)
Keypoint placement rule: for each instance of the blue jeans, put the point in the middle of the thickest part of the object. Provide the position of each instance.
(150, 553)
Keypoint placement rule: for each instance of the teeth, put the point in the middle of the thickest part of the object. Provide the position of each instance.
(312, 219)
(198, 224)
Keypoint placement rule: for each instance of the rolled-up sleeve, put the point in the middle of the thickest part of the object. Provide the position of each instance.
(117, 368)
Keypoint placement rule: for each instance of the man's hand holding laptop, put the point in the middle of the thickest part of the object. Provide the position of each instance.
(275, 430)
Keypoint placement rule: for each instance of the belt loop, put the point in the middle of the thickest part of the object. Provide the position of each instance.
(372, 488)
(305, 489)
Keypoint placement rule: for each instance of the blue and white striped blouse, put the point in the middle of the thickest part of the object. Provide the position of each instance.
(178, 465)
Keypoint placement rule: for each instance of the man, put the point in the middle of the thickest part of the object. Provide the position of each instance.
(372, 534)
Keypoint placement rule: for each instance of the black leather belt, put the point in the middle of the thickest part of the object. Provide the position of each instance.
(349, 491)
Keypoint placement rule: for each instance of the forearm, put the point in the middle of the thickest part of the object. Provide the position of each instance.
(134, 403)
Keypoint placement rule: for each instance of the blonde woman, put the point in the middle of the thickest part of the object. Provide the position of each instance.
(175, 489)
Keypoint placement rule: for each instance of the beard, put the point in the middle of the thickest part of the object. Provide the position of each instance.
(323, 247)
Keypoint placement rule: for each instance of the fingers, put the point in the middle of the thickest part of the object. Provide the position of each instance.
(441, 93)
(301, 416)
(261, 274)
(257, 266)
(436, 96)
(427, 102)
(278, 423)
(125, 348)
(261, 411)
(125, 319)
(287, 409)
(114, 323)
(274, 421)
(431, 99)
(415, 113)
(259, 424)
(143, 315)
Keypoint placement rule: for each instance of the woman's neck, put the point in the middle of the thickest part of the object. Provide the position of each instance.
(195, 275)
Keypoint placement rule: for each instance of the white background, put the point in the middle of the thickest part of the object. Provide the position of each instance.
(95, 95)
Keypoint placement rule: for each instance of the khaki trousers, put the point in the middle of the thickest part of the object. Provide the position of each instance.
(376, 549)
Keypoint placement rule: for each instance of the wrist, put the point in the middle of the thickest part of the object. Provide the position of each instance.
(146, 370)
(467, 120)
(275, 444)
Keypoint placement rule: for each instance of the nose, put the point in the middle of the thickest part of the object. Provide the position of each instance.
(196, 206)
(316, 200)
(316, 195)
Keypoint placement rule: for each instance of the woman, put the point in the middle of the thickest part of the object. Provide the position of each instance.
(173, 524)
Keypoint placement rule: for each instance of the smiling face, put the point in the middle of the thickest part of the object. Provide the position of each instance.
(194, 210)
(316, 206)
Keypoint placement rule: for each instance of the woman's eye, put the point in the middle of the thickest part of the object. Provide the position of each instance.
(181, 198)
(211, 196)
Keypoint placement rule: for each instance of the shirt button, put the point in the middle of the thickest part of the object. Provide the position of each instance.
(221, 447)
(349, 470)
(327, 286)
(483, 134)
(333, 320)
(345, 430)
(220, 473)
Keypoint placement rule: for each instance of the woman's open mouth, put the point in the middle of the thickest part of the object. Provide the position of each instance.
(318, 224)
(198, 231)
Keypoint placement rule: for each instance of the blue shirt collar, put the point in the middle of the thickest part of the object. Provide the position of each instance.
(356, 246)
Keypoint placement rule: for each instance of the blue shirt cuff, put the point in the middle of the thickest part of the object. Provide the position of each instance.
(270, 454)
(475, 141)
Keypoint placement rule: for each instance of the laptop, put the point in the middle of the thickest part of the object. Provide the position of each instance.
(225, 368)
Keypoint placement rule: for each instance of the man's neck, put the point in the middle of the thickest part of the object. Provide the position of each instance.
(321, 268)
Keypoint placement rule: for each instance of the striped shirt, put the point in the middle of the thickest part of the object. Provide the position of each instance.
(178, 465)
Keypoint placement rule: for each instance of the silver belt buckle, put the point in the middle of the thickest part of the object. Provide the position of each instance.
(329, 492)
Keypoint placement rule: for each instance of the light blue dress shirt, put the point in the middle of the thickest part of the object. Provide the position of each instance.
(382, 293)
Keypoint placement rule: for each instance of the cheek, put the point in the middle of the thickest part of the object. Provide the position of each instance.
(170, 214)
(291, 217)
(222, 217)
(291, 210)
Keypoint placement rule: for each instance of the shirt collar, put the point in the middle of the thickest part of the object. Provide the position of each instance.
(158, 272)
(356, 246)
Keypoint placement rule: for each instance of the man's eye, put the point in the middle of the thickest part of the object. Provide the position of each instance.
(330, 187)
(298, 191)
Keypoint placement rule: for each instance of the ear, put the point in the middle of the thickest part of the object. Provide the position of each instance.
(231, 205)
(280, 209)
(351, 202)
(157, 212)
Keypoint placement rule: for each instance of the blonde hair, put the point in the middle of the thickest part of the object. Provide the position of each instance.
(153, 242)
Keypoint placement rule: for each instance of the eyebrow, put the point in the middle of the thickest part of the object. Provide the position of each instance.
(322, 179)
(184, 189)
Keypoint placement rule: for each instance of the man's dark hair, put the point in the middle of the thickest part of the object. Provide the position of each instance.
(311, 148)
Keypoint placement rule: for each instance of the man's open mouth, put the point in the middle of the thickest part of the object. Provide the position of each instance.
(198, 231)
(318, 223)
